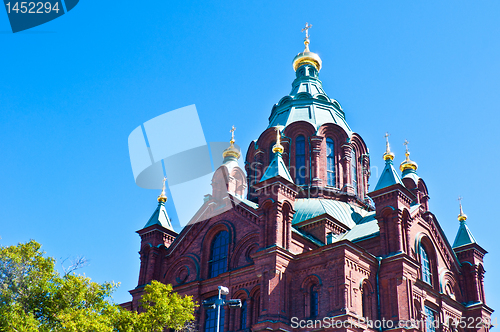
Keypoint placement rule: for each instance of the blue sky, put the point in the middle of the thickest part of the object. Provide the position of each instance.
(72, 90)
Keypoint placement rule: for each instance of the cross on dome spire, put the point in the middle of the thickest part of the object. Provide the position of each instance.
(307, 57)
(232, 135)
(306, 29)
(306, 40)
(163, 197)
(462, 216)
(388, 155)
(406, 142)
(231, 151)
(278, 147)
(407, 164)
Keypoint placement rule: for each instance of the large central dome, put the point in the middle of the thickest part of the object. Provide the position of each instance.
(308, 101)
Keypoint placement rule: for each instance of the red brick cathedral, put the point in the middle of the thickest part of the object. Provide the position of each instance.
(300, 239)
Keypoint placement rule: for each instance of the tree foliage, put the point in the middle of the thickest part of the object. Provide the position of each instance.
(34, 297)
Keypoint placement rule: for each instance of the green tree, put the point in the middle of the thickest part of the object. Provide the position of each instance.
(35, 297)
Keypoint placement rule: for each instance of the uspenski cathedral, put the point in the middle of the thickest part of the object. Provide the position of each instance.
(297, 236)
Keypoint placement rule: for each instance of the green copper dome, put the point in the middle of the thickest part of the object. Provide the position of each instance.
(308, 102)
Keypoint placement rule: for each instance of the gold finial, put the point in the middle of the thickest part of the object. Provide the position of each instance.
(388, 155)
(306, 40)
(307, 57)
(231, 151)
(278, 147)
(406, 146)
(407, 164)
(232, 135)
(163, 197)
(462, 216)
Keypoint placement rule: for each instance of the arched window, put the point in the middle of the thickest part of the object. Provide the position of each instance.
(426, 266)
(300, 160)
(218, 254)
(314, 300)
(330, 162)
(354, 171)
(211, 317)
(244, 314)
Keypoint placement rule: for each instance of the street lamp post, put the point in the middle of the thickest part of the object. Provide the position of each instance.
(219, 302)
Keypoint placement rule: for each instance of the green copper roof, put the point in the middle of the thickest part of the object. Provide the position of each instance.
(366, 228)
(308, 102)
(308, 208)
(412, 174)
(464, 236)
(160, 217)
(389, 176)
(277, 168)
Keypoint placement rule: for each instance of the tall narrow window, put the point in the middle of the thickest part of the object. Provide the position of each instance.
(430, 323)
(365, 298)
(211, 317)
(314, 301)
(300, 160)
(426, 266)
(218, 254)
(330, 162)
(354, 171)
(243, 317)
(256, 307)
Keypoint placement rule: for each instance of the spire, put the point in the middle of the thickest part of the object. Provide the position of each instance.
(231, 152)
(307, 57)
(388, 154)
(277, 166)
(462, 216)
(306, 40)
(464, 235)
(160, 216)
(389, 175)
(163, 197)
(278, 148)
(408, 164)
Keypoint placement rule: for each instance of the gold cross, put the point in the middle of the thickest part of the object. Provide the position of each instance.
(387, 142)
(232, 134)
(163, 188)
(406, 144)
(306, 29)
(460, 199)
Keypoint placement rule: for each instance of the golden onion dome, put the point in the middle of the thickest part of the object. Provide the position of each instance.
(231, 151)
(408, 164)
(307, 57)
